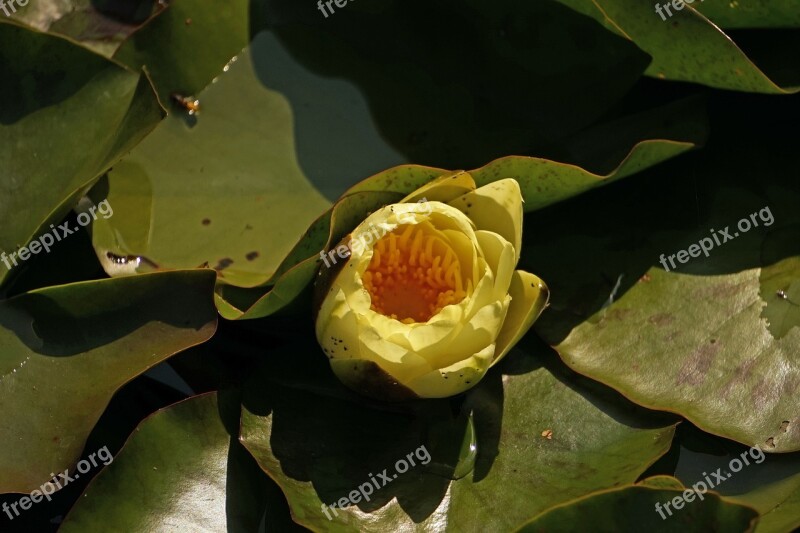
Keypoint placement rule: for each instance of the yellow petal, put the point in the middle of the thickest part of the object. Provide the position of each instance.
(337, 327)
(454, 379)
(529, 296)
(467, 254)
(496, 207)
(444, 188)
(431, 336)
(474, 336)
(499, 255)
(397, 361)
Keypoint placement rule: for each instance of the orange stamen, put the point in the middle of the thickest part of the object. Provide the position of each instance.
(413, 274)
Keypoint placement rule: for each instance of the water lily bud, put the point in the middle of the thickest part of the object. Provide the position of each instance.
(429, 298)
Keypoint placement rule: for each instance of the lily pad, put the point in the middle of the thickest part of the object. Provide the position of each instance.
(100, 25)
(634, 508)
(188, 44)
(770, 483)
(572, 442)
(693, 337)
(515, 82)
(542, 183)
(66, 350)
(225, 191)
(298, 269)
(546, 182)
(714, 355)
(686, 46)
(751, 13)
(49, 152)
(184, 469)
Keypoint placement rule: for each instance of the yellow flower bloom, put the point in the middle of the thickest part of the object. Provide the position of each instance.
(428, 298)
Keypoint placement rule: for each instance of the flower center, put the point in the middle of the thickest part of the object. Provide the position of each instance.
(413, 274)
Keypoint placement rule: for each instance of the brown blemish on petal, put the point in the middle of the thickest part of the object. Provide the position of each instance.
(206, 221)
(326, 276)
(252, 256)
(368, 379)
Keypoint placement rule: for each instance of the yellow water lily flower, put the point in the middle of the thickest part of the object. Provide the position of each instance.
(422, 298)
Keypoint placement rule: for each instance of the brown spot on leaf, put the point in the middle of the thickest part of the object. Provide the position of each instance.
(223, 264)
(762, 394)
(721, 291)
(618, 314)
(790, 385)
(252, 256)
(206, 221)
(740, 375)
(661, 319)
(696, 367)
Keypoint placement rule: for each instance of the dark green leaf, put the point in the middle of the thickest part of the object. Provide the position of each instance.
(66, 350)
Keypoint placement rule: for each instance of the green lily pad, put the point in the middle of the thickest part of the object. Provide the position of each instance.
(298, 269)
(130, 405)
(750, 13)
(100, 25)
(634, 508)
(687, 46)
(779, 504)
(713, 354)
(181, 469)
(770, 483)
(709, 339)
(66, 350)
(542, 183)
(515, 83)
(188, 44)
(600, 148)
(50, 152)
(546, 182)
(320, 442)
(225, 191)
